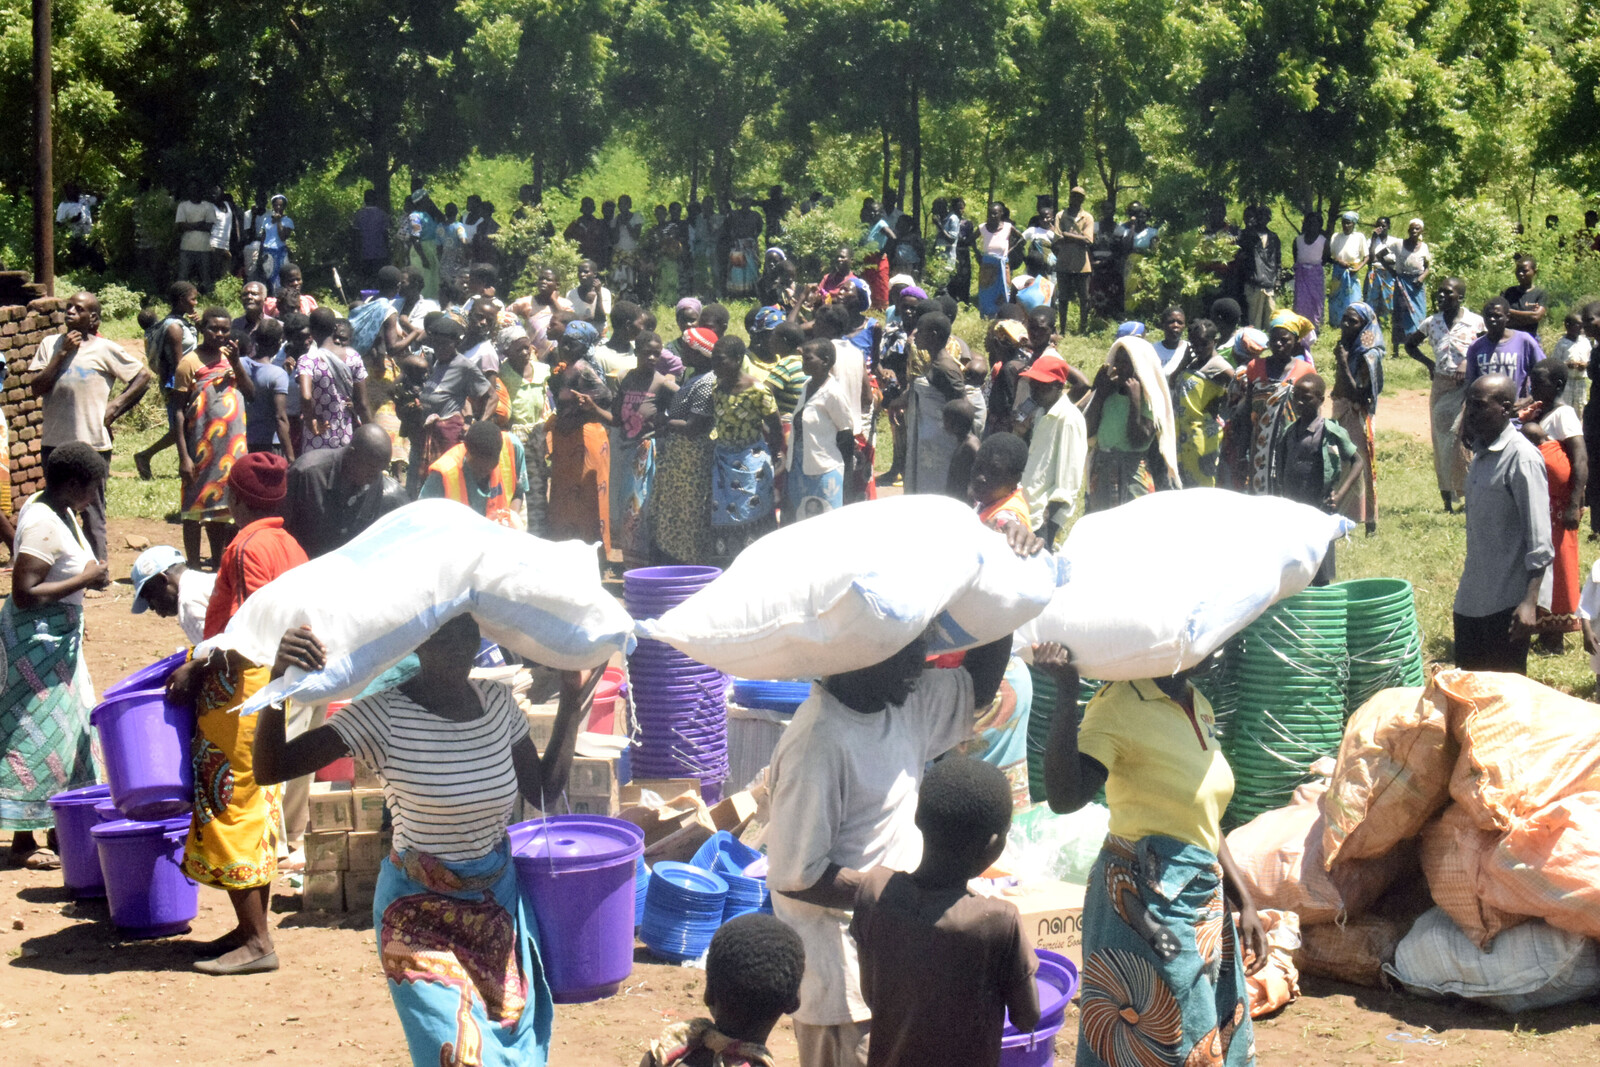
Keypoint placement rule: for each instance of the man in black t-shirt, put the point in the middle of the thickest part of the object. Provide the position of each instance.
(1526, 299)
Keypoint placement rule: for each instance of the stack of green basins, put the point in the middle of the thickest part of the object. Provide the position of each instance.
(1289, 674)
(1220, 687)
(1040, 716)
(1385, 642)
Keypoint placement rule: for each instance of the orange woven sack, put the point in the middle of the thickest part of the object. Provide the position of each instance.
(1523, 745)
(1548, 865)
(1393, 773)
(1454, 851)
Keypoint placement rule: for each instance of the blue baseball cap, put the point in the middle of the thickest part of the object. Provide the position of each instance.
(151, 562)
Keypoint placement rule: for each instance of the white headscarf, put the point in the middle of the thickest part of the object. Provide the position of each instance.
(1147, 368)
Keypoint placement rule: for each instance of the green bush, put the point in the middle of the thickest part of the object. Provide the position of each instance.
(525, 251)
(811, 240)
(118, 301)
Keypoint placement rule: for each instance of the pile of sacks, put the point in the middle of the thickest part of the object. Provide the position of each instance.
(1486, 784)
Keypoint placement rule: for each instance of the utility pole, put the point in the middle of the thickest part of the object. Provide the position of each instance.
(44, 234)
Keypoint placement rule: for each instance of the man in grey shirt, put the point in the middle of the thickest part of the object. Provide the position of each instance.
(1508, 534)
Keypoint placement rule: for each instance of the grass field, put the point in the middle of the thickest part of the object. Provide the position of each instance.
(1416, 540)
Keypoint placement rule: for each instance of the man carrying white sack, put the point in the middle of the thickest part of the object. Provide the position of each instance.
(844, 782)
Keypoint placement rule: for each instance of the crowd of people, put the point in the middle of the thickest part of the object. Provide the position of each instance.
(577, 415)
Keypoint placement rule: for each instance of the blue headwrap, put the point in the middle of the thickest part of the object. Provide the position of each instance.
(863, 290)
(583, 331)
(768, 318)
(1131, 329)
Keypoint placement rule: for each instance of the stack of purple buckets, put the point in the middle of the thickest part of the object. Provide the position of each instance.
(680, 705)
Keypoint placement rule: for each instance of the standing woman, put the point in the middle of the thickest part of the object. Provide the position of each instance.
(213, 435)
(824, 440)
(1133, 447)
(1357, 384)
(580, 449)
(1310, 282)
(459, 950)
(681, 501)
(964, 237)
(538, 308)
(44, 712)
(1164, 960)
(274, 229)
(1347, 251)
(1549, 422)
(748, 452)
(641, 395)
(233, 839)
(1380, 268)
(1412, 262)
(1260, 412)
(995, 239)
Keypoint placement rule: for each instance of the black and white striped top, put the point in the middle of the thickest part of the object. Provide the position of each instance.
(450, 786)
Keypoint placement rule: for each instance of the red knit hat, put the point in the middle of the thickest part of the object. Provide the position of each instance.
(700, 339)
(260, 480)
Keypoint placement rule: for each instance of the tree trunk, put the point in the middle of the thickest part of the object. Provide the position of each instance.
(916, 154)
(538, 178)
(694, 180)
(884, 127)
(1055, 183)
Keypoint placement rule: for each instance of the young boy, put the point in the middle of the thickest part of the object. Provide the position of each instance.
(995, 477)
(959, 416)
(1573, 352)
(940, 966)
(1312, 456)
(753, 971)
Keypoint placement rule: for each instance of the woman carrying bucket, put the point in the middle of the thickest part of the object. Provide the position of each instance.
(1163, 966)
(461, 953)
(44, 728)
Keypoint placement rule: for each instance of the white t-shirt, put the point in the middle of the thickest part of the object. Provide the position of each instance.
(42, 534)
(1349, 249)
(1171, 357)
(850, 368)
(194, 596)
(220, 228)
(75, 406)
(1562, 424)
(189, 211)
(844, 790)
(486, 356)
(450, 786)
(819, 420)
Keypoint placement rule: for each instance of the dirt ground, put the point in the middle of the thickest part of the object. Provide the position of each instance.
(71, 992)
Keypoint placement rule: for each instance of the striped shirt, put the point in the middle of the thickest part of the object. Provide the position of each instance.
(450, 786)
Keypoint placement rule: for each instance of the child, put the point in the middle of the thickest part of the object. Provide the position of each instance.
(753, 971)
(940, 966)
(1311, 457)
(995, 476)
(959, 416)
(1199, 394)
(1573, 353)
(1172, 347)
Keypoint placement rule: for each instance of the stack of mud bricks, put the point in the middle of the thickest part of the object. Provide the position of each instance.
(27, 317)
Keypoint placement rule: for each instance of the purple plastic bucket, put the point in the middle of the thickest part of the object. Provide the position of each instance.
(75, 816)
(146, 743)
(577, 874)
(647, 578)
(1057, 981)
(146, 678)
(142, 864)
(106, 811)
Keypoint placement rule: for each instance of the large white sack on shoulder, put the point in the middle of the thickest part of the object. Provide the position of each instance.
(378, 597)
(1159, 583)
(852, 587)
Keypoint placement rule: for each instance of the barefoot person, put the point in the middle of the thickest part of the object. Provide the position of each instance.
(233, 841)
(461, 955)
(44, 714)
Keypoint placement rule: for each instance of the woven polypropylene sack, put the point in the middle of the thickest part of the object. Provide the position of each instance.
(1353, 951)
(1523, 745)
(1393, 773)
(1533, 966)
(1454, 849)
(1548, 865)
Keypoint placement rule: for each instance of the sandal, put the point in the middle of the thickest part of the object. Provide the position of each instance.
(41, 859)
(259, 965)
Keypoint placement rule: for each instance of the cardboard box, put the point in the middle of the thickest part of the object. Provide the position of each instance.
(323, 891)
(331, 808)
(366, 849)
(733, 813)
(359, 889)
(593, 775)
(589, 804)
(665, 788)
(327, 850)
(368, 809)
(366, 776)
(1052, 915)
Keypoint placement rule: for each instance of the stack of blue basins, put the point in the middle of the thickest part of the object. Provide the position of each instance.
(641, 886)
(729, 858)
(680, 705)
(783, 697)
(682, 910)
